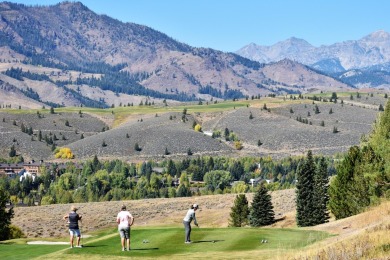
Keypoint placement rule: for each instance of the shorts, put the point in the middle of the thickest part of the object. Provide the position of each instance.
(124, 232)
(74, 232)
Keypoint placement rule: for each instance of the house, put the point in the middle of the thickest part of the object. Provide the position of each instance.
(258, 181)
(13, 169)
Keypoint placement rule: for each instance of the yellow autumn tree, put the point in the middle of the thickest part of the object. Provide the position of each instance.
(63, 153)
(198, 128)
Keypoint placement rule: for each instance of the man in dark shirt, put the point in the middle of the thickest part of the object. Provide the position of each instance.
(73, 221)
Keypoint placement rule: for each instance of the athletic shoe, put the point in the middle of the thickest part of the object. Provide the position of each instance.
(123, 249)
(79, 246)
(188, 242)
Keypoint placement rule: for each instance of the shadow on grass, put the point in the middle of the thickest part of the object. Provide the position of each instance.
(86, 246)
(207, 241)
(142, 249)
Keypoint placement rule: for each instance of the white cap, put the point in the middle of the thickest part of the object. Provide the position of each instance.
(195, 205)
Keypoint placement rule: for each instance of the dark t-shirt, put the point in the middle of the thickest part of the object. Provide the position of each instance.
(74, 220)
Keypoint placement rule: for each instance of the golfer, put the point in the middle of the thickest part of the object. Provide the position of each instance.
(73, 221)
(187, 222)
(125, 220)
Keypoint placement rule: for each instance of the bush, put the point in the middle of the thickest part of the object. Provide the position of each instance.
(15, 232)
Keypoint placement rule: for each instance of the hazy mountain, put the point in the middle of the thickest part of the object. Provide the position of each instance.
(66, 54)
(374, 49)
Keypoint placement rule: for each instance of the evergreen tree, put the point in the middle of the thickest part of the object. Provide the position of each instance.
(349, 192)
(12, 152)
(5, 216)
(239, 212)
(305, 191)
(261, 211)
(321, 197)
(316, 110)
(137, 147)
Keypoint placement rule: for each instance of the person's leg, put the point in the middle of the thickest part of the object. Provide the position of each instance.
(127, 236)
(189, 232)
(187, 228)
(78, 234)
(71, 238)
(122, 235)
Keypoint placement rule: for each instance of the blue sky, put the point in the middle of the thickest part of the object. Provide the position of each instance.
(228, 25)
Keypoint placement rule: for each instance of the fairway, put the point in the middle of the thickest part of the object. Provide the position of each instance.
(169, 243)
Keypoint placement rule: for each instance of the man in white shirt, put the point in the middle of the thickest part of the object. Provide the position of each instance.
(187, 222)
(125, 220)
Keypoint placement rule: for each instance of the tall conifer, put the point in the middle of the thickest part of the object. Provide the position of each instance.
(305, 191)
(262, 211)
(239, 212)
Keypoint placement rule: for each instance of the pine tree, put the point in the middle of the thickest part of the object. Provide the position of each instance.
(12, 152)
(137, 147)
(239, 212)
(5, 216)
(261, 211)
(349, 192)
(321, 197)
(305, 192)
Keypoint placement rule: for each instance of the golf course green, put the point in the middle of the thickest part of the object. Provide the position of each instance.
(169, 243)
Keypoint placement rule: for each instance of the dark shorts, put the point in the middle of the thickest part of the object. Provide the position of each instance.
(124, 232)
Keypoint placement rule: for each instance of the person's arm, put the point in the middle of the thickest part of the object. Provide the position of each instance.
(195, 221)
(66, 217)
(131, 220)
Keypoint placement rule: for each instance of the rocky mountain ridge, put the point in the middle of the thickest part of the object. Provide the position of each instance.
(373, 49)
(94, 60)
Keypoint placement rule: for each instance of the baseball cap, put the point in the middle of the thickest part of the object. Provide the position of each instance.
(195, 206)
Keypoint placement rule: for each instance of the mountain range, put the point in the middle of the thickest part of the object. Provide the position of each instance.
(67, 55)
(362, 63)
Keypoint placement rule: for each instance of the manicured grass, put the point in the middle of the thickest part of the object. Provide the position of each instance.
(17, 251)
(166, 242)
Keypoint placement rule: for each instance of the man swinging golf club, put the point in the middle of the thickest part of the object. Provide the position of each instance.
(73, 221)
(187, 222)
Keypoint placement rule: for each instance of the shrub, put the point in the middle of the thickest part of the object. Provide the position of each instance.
(15, 232)
(198, 128)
